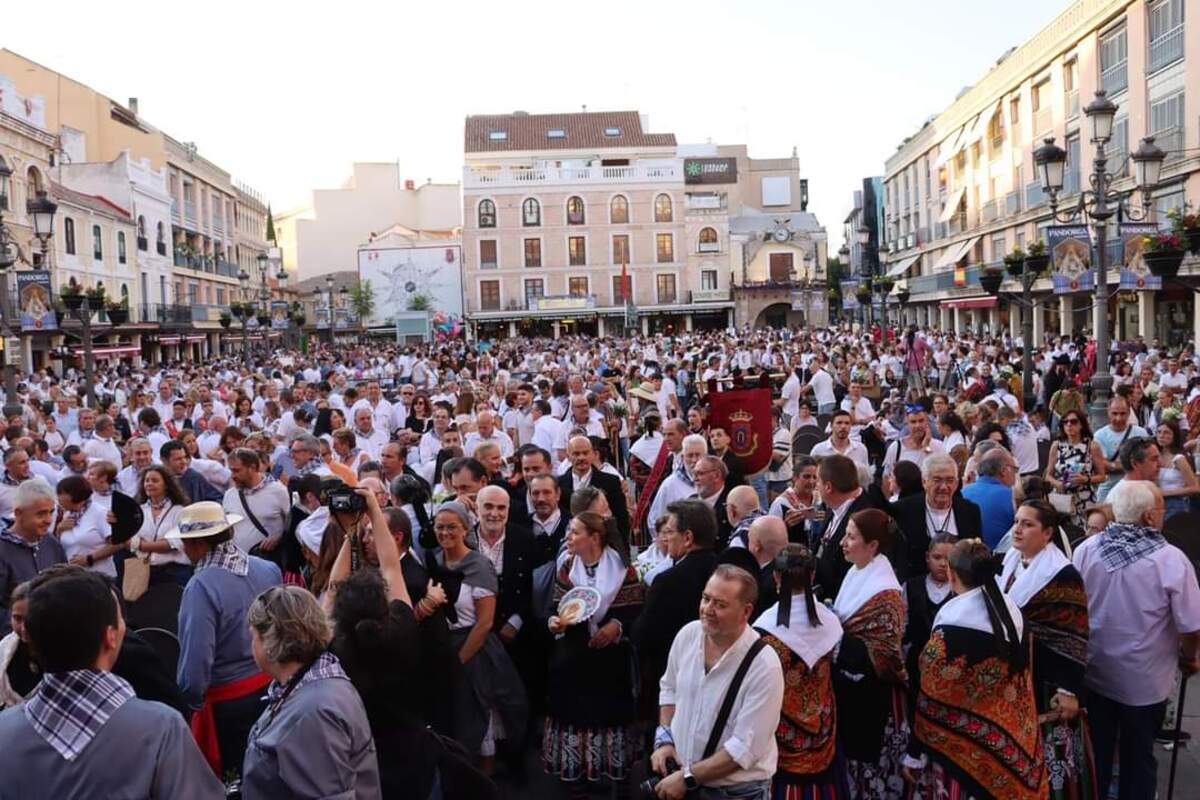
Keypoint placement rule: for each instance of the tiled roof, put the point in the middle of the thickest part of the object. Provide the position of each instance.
(582, 130)
(93, 201)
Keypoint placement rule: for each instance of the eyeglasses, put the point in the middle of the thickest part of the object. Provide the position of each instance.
(1072, 421)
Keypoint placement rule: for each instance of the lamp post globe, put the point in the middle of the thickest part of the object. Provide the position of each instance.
(1147, 164)
(1051, 163)
(1100, 113)
(863, 235)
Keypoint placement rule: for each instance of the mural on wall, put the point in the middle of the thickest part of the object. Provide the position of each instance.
(413, 279)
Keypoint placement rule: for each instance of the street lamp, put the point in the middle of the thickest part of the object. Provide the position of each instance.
(5, 174)
(42, 209)
(329, 305)
(1098, 205)
(243, 311)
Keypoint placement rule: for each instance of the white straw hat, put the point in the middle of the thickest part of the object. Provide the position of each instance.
(203, 519)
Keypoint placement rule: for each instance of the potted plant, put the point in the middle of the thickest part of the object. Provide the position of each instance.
(863, 292)
(1163, 253)
(264, 319)
(832, 293)
(72, 296)
(1187, 228)
(884, 283)
(1036, 261)
(118, 313)
(225, 319)
(95, 297)
(903, 296)
(1014, 262)
(990, 279)
(299, 319)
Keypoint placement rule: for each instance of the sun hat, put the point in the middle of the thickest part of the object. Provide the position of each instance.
(203, 519)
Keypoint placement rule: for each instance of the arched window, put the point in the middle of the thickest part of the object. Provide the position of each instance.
(97, 243)
(69, 235)
(709, 243)
(121, 258)
(662, 208)
(575, 210)
(125, 294)
(618, 210)
(142, 242)
(33, 180)
(531, 212)
(487, 214)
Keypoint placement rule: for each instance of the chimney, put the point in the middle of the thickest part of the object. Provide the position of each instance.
(409, 185)
(133, 105)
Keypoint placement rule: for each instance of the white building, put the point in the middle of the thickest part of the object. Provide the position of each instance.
(403, 264)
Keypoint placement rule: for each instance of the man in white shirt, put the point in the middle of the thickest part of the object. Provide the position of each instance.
(255, 496)
(101, 446)
(211, 438)
(379, 407)
(580, 415)
(915, 447)
(840, 441)
(518, 422)
(701, 665)
(1173, 377)
(680, 484)
(790, 395)
(368, 437)
(860, 408)
(486, 431)
(545, 426)
(86, 429)
(821, 385)
(140, 457)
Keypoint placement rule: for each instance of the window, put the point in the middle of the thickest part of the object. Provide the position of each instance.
(1166, 33)
(498, 136)
(620, 249)
(97, 243)
(531, 213)
(1114, 56)
(708, 241)
(121, 247)
(1020, 239)
(575, 214)
(556, 133)
(996, 131)
(1118, 147)
(664, 246)
(220, 295)
(999, 246)
(141, 233)
(612, 131)
(708, 280)
(533, 252)
(619, 293)
(577, 287)
(1014, 111)
(489, 295)
(487, 254)
(1166, 123)
(618, 210)
(1071, 176)
(69, 235)
(666, 288)
(534, 288)
(487, 214)
(662, 208)
(1169, 200)
(576, 251)
(1071, 88)
(781, 267)
(161, 245)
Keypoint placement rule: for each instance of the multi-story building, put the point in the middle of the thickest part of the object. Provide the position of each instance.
(962, 191)
(191, 254)
(587, 223)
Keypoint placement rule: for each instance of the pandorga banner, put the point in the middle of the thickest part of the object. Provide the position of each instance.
(1135, 275)
(1070, 249)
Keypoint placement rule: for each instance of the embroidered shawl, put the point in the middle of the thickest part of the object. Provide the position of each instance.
(808, 719)
(879, 623)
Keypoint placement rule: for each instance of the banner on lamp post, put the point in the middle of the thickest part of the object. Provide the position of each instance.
(1135, 274)
(36, 301)
(279, 315)
(1070, 249)
(849, 295)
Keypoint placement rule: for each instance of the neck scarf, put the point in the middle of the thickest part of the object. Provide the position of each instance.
(607, 576)
(809, 642)
(863, 583)
(1035, 575)
(226, 555)
(1122, 544)
(69, 708)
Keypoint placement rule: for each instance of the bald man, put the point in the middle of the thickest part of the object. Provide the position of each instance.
(583, 473)
(742, 508)
(767, 538)
(487, 431)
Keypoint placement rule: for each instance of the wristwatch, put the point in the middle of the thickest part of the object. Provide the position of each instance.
(689, 780)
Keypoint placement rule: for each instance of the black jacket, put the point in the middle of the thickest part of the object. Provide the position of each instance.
(910, 514)
(197, 487)
(832, 565)
(610, 485)
(767, 593)
(724, 529)
(672, 601)
(516, 577)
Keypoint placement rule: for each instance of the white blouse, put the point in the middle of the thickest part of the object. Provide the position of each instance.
(155, 530)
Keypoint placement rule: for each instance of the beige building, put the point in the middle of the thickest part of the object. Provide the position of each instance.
(962, 191)
(324, 236)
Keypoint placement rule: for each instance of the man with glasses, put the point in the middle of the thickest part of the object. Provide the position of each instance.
(992, 491)
(1111, 437)
(937, 510)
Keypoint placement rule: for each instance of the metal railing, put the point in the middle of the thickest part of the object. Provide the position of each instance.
(708, 295)
(1171, 142)
(143, 243)
(991, 211)
(1166, 49)
(165, 314)
(227, 269)
(958, 223)
(1115, 78)
(161, 247)
(1072, 104)
(1012, 203)
(1034, 195)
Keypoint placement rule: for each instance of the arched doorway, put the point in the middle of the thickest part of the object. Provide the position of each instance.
(778, 315)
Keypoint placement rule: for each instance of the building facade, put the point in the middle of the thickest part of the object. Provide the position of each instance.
(962, 191)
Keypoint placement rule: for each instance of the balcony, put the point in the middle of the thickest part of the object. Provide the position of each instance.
(143, 244)
(1166, 49)
(1115, 79)
(667, 298)
(175, 216)
(1043, 120)
(189, 213)
(494, 177)
(218, 224)
(709, 295)
(1012, 203)
(1034, 195)
(709, 247)
(991, 211)
(1171, 142)
(171, 315)
(227, 269)
(1072, 104)
(958, 223)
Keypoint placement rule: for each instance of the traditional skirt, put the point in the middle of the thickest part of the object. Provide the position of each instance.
(576, 753)
(828, 785)
(1070, 764)
(491, 686)
(882, 779)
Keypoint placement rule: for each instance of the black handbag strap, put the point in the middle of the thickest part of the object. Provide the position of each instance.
(735, 686)
(250, 514)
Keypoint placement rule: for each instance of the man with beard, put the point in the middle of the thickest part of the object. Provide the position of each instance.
(840, 441)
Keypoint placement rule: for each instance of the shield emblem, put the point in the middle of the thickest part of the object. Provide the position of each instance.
(745, 414)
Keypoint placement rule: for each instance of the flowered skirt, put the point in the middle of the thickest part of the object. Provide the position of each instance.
(577, 753)
(828, 785)
(1070, 764)
(882, 779)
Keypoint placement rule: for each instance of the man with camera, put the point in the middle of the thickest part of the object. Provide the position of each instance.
(719, 701)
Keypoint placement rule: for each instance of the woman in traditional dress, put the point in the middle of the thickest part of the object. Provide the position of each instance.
(1040, 579)
(1076, 464)
(804, 640)
(976, 726)
(592, 697)
(925, 595)
(870, 678)
(490, 704)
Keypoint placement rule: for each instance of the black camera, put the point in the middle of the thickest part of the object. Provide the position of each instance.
(346, 500)
(648, 789)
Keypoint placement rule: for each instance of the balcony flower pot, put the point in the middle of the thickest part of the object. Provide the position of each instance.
(990, 280)
(226, 320)
(1014, 262)
(903, 295)
(118, 314)
(72, 298)
(1163, 254)
(1191, 237)
(264, 320)
(299, 320)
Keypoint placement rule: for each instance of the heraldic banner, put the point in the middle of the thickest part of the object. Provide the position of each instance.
(745, 414)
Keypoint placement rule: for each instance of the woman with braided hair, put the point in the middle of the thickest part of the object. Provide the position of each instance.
(976, 726)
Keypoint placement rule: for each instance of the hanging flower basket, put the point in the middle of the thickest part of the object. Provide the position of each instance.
(1014, 262)
(1192, 238)
(264, 320)
(226, 320)
(903, 296)
(863, 293)
(1163, 253)
(72, 298)
(117, 314)
(990, 280)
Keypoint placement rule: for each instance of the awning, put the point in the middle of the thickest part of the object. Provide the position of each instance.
(105, 352)
(981, 125)
(972, 302)
(952, 204)
(902, 266)
(954, 254)
(949, 148)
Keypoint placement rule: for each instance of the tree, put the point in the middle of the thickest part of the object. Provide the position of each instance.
(362, 300)
(418, 302)
(270, 225)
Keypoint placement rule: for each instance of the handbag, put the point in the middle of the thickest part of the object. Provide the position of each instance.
(136, 579)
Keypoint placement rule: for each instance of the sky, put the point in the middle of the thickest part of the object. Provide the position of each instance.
(287, 97)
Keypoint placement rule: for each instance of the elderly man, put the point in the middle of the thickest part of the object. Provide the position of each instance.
(381, 409)
(992, 491)
(513, 554)
(25, 549)
(682, 483)
(305, 452)
(1144, 621)
(368, 437)
(16, 472)
(580, 416)
(712, 488)
(704, 657)
(140, 457)
(263, 503)
(486, 431)
(741, 510)
(840, 441)
(766, 538)
(584, 473)
(937, 510)
(674, 598)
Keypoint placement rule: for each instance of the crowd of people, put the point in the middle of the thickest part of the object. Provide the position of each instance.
(396, 571)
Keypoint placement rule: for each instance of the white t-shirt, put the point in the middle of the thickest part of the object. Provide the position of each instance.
(822, 387)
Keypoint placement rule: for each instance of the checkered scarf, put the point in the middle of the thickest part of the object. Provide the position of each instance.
(226, 555)
(262, 484)
(9, 535)
(69, 708)
(313, 465)
(1122, 544)
(326, 666)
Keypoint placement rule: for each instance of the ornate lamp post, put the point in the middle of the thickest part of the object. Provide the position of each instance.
(1098, 205)
(243, 311)
(863, 236)
(329, 305)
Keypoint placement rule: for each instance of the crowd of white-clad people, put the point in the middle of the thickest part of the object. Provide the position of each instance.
(389, 571)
